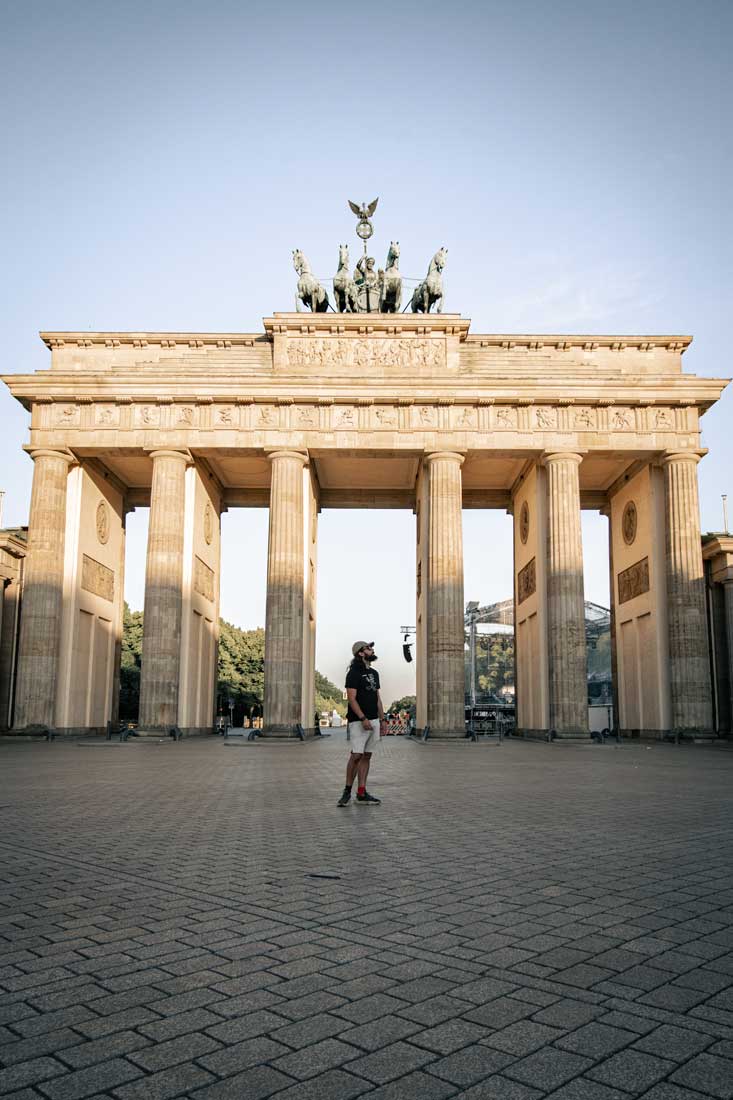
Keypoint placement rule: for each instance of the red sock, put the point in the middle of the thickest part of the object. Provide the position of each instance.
(361, 790)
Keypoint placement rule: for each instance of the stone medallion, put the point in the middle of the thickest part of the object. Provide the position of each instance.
(208, 524)
(524, 522)
(628, 523)
(102, 522)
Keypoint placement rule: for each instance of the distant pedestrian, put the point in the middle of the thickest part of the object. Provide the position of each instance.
(365, 718)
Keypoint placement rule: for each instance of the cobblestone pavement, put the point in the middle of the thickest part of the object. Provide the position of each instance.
(514, 922)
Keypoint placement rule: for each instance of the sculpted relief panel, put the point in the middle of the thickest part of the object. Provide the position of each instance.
(97, 578)
(366, 353)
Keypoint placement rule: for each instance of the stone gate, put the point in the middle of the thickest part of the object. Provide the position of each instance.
(359, 411)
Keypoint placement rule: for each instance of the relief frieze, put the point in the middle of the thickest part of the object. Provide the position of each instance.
(66, 415)
(106, 416)
(584, 419)
(203, 579)
(527, 581)
(97, 578)
(405, 352)
(505, 417)
(545, 418)
(634, 581)
(147, 416)
(622, 420)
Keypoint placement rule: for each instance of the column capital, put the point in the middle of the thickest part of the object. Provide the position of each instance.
(557, 456)
(49, 452)
(171, 452)
(448, 456)
(276, 452)
(681, 456)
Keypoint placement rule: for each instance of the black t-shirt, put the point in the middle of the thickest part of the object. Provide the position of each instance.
(366, 682)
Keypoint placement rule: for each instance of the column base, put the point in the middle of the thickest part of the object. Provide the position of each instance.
(157, 733)
(280, 731)
(571, 735)
(445, 734)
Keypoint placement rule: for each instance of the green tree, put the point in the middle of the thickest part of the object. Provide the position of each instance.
(407, 702)
(130, 659)
(494, 662)
(328, 696)
(240, 673)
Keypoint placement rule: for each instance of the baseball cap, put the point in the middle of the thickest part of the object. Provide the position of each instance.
(358, 646)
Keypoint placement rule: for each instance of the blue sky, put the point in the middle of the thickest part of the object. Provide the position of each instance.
(162, 160)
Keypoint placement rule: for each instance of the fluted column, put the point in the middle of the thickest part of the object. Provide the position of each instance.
(285, 596)
(728, 591)
(40, 628)
(689, 660)
(445, 630)
(161, 651)
(565, 607)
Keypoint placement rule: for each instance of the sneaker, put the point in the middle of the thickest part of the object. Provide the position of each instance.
(345, 798)
(367, 799)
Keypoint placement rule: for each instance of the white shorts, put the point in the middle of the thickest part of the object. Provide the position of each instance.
(362, 740)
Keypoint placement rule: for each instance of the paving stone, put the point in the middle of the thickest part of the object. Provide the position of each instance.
(28, 1073)
(709, 1074)
(415, 1086)
(567, 1014)
(380, 1033)
(596, 1040)
(632, 1070)
(185, 1022)
(369, 1008)
(334, 1085)
(311, 1060)
(99, 1050)
(523, 1037)
(449, 1036)
(668, 1091)
(390, 1062)
(673, 1042)
(583, 1089)
(247, 1027)
(548, 1068)
(93, 1079)
(499, 1088)
(24, 1050)
(242, 1055)
(253, 1084)
(166, 1084)
(471, 1064)
(173, 1052)
(500, 1013)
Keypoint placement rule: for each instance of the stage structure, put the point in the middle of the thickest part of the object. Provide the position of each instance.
(362, 409)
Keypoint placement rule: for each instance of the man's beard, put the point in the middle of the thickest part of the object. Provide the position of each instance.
(373, 657)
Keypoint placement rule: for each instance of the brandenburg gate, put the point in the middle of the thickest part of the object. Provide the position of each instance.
(362, 410)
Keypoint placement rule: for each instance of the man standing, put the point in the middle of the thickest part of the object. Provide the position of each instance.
(365, 718)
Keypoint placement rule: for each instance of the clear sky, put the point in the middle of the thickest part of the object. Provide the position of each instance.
(162, 160)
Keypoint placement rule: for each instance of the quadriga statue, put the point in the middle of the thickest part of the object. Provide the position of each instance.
(309, 292)
(430, 290)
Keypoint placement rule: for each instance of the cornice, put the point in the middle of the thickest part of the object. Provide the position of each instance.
(587, 342)
(146, 339)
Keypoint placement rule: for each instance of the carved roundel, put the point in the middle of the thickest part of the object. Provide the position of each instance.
(628, 523)
(524, 522)
(208, 524)
(102, 522)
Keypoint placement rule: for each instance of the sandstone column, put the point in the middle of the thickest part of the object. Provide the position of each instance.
(161, 654)
(285, 596)
(444, 596)
(689, 660)
(728, 591)
(565, 609)
(40, 628)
